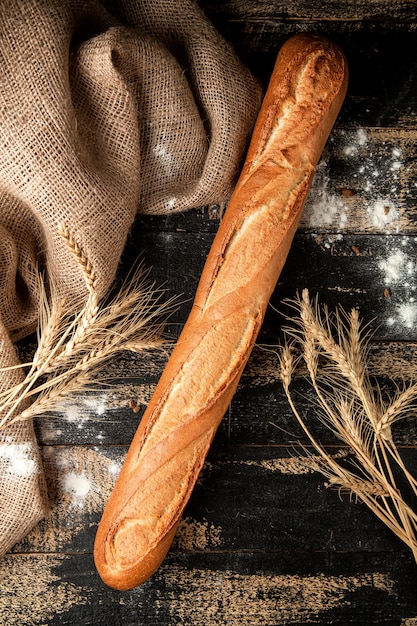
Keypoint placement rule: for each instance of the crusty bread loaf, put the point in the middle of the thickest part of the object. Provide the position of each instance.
(304, 96)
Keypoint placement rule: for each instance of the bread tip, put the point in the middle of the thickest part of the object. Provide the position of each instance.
(140, 567)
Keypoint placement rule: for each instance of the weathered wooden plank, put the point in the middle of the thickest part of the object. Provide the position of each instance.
(259, 413)
(246, 498)
(236, 589)
(375, 10)
(375, 273)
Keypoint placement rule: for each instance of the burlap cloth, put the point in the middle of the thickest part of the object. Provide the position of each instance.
(105, 111)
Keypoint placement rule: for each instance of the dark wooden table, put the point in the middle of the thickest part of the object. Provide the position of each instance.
(262, 541)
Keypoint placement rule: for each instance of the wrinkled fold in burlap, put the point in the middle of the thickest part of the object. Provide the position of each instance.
(106, 109)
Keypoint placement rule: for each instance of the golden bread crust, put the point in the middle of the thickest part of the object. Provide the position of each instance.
(306, 90)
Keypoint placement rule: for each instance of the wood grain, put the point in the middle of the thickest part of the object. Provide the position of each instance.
(233, 588)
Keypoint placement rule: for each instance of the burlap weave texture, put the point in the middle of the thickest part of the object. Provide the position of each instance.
(106, 109)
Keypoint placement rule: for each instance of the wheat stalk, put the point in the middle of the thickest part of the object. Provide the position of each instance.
(72, 350)
(334, 349)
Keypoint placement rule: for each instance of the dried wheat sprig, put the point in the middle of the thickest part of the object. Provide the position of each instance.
(130, 314)
(77, 372)
(48, 399)
(72, 350)
(334, 351)
(57, 331)
(355, 345)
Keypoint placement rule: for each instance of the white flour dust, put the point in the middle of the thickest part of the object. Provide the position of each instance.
(324, 208)
(77, 411)
(399, 271)
(374, 171)
(84, 477)
(18, 459)
(81, 409)
(378, 207)
(165, 158)
(370, 200)
(407, 313)
(77, 485)
(396, 267)
(382, 213)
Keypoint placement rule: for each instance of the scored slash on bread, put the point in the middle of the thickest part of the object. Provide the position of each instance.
(305, 93)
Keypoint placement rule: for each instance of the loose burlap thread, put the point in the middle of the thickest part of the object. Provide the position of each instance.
(106, 110)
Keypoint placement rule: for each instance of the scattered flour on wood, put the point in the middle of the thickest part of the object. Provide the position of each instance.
(85, 477)
(80, 481)
(407, 313)
(82, 408)
(78, 410)
(395, 267)
(399, 272)
(376, 175)
(382, 213)
(324, 208)
(327, 208)
(356, 140)
(374, 170)
(77, 485)
(97, 403)
(18, 459)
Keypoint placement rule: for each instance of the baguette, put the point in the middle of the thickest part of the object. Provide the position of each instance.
(306, 90)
